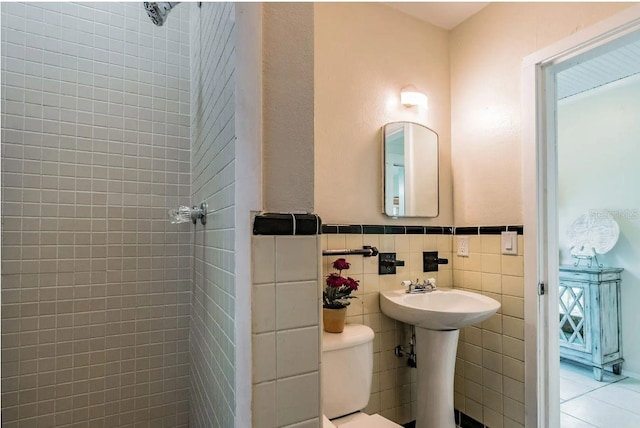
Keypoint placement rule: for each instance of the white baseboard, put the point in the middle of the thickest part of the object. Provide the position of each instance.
(630, 374)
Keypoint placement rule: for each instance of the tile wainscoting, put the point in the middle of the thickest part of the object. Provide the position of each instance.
(286, 321)
(489, 379)
(393, 392)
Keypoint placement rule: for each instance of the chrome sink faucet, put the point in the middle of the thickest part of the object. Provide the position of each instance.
(415, 287)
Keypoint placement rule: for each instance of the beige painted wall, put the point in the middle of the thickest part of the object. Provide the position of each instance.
(364, 54)
(486, 55)
(287, 31)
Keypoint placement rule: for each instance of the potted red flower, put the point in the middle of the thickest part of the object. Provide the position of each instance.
(335, 297)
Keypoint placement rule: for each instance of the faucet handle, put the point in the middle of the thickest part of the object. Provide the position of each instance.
(431, 282)
(408, 284)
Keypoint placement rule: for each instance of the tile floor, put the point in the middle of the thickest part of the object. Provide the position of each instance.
(587, 403)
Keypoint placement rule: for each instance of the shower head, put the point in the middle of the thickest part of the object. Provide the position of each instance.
(158, 11)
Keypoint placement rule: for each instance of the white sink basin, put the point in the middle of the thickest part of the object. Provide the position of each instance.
(442, 309)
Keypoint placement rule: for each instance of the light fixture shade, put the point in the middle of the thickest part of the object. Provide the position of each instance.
(411, 97)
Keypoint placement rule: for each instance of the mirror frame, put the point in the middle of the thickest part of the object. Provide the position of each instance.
(383, 164)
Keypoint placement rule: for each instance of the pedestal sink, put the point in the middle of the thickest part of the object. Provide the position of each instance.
(438, 316)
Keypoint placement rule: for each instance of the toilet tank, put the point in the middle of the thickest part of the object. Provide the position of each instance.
(347, 370)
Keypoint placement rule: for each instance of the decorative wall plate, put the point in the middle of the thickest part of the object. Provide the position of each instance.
(593, 233)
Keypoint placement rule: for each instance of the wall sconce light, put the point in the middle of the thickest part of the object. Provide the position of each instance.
(411, 97)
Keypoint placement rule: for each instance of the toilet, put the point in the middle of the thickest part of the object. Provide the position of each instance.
(347, 371)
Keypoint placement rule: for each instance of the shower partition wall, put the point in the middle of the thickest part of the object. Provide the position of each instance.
(213, 338)
(95, 281)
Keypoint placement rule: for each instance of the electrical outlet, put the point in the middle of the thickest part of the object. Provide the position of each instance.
(463, 246)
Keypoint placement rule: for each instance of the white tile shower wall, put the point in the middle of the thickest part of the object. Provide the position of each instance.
(286, 331)
(489, 377)
(212, 336)
(393, 392)
(95, 281)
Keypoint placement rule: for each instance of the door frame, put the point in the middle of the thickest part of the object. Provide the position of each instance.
(539, 187)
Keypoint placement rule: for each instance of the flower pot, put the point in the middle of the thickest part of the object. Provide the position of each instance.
(333, 319)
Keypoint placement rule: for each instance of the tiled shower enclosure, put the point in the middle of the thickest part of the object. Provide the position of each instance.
(95, 281)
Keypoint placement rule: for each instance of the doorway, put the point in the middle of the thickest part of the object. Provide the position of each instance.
(597, 105)
(542, 73)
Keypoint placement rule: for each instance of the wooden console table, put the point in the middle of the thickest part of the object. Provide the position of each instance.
(590, 317)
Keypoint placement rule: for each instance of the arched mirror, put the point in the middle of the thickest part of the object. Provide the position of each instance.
(410, 170)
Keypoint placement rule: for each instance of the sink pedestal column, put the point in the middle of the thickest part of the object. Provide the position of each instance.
(436, 358)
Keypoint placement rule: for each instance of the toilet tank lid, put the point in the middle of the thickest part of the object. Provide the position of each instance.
(353, 335)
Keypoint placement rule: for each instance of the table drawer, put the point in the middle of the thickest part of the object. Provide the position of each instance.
(591, 277)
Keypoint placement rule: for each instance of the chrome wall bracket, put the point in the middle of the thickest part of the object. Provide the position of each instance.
(199, 213)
